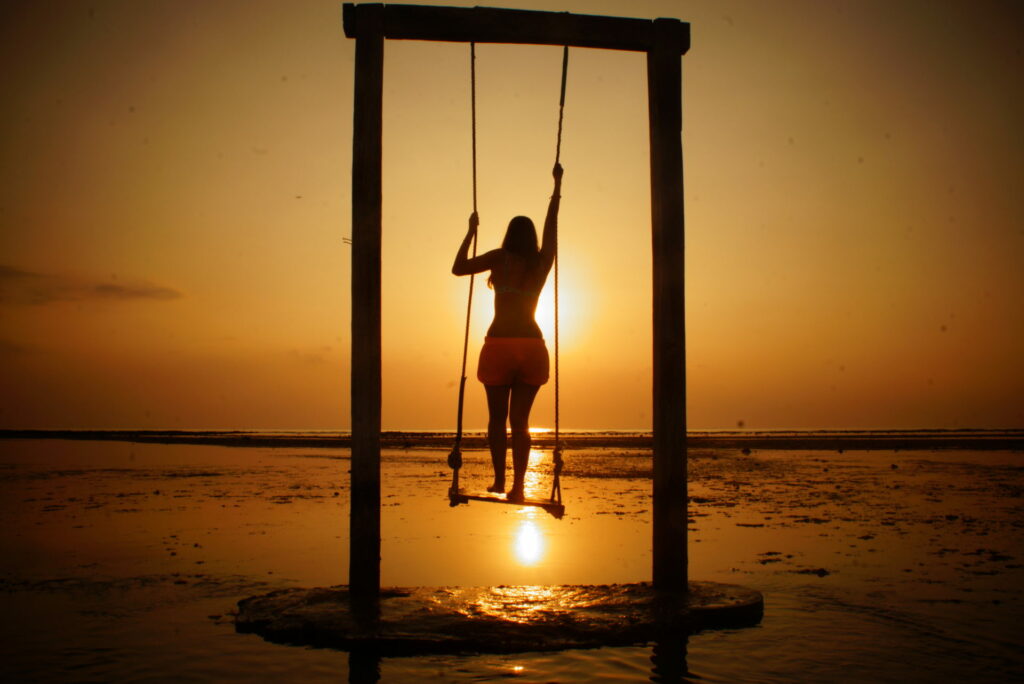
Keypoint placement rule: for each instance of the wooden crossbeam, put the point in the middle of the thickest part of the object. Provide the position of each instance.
(494, 25)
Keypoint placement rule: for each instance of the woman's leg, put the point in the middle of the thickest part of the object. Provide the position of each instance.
(522, 397)
(497, 411)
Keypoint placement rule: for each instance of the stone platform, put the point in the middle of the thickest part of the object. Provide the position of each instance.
(504, 619)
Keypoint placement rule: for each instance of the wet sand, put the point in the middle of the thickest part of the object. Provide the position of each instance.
(124, 560)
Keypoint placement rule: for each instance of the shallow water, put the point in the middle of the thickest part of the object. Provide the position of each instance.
(123, 561)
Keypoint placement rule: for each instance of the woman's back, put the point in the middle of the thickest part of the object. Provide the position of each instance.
(517, 281)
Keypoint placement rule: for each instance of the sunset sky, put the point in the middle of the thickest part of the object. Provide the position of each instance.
(176, 188)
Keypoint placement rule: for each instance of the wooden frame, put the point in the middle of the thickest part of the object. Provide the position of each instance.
(664, 41)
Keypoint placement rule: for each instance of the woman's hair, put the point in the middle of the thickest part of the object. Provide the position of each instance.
(521, 237)
(521, 240)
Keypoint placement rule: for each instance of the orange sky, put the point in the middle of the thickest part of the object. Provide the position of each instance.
(176, 187)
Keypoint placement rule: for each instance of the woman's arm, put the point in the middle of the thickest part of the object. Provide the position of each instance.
(464, 264)
(548, 242)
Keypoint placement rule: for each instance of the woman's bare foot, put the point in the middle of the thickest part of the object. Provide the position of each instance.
(516, 493)
(498, 486)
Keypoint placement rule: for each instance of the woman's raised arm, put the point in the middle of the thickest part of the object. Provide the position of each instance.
(550, 239)
(465, 264)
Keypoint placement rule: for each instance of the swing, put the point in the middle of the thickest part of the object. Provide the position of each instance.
(456, 496)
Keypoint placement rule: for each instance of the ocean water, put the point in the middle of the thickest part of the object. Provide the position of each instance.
(123, 561)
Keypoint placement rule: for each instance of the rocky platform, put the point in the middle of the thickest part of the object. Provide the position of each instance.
(503, 619)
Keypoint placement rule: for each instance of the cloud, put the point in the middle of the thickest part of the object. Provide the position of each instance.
(312, 357)
(28, 288)
(139, 291)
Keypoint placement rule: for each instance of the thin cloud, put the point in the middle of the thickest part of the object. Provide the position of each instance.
(28, 288)
(310, 357)
(140, 291)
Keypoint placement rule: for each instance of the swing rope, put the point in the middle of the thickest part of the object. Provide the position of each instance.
(556, 483)
(455, 457)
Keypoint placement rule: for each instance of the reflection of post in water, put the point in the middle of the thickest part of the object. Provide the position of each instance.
(674, 625)
(668, 660)
(363, 666)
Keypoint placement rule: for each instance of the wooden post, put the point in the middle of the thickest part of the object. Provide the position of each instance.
(664, 87)
(364, 513)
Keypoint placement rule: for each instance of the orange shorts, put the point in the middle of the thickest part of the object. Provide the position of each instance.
(511, 360)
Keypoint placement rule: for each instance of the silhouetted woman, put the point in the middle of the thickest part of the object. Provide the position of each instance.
(514, 360)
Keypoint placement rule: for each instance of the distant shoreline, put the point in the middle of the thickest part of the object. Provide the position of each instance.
(1011, 439)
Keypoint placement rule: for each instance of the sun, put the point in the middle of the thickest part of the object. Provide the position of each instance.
(569, 311)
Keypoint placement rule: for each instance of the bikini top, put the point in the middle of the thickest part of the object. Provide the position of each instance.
(502, 289)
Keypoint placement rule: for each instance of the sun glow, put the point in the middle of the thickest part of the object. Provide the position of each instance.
(570, 307)
(529, 543)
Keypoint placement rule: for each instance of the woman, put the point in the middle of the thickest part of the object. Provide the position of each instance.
(514, 361)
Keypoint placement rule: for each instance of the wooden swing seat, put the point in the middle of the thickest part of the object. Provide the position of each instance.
(553, 508)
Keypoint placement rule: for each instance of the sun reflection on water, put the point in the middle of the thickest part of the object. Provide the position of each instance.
(537, 474)
(528, 540)
(522, 603)
(529, 543)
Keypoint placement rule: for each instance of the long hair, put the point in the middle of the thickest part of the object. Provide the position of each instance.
(521, 240)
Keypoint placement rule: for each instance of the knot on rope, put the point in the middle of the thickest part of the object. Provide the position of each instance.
(556, 481)
(455, 459)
